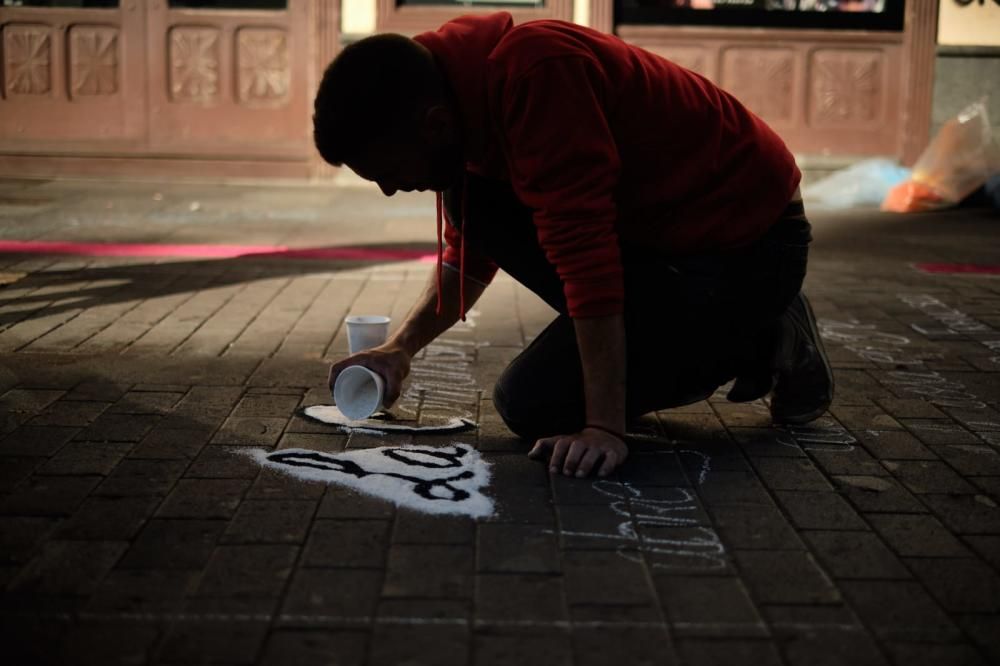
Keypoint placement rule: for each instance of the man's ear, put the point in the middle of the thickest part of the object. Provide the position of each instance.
(439, 124)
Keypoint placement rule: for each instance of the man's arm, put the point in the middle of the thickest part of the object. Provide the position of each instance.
(421, 326)
(601, 341)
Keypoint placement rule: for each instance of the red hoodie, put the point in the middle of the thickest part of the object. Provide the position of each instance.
(607, 142)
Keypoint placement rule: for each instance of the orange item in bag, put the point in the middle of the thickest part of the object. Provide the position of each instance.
(912, 197)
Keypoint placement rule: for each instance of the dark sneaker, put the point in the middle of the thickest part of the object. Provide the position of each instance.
(758, 376)
(804, 388)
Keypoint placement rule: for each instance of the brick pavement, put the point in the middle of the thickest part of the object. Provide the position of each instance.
(133, 534)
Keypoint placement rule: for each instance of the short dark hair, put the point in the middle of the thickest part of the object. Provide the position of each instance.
(374, 85)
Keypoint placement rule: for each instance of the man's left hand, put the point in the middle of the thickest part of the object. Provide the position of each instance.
(577, 454)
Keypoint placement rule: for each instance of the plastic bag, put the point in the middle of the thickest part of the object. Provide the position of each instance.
(957, 162)
(863, 184)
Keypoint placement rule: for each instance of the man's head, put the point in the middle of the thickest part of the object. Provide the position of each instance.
(384, 110)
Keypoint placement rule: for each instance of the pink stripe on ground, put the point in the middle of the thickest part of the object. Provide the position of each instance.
(211, 251)
(975, 269)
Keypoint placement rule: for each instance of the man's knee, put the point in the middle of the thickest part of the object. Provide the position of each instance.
(513, 409)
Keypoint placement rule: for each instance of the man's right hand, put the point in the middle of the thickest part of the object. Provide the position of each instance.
(390, 361)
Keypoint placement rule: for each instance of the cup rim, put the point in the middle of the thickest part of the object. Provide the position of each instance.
(367, 319)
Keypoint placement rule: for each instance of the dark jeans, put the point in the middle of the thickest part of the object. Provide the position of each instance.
(691, 323)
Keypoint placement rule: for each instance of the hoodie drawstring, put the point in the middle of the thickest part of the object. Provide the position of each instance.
(440, 257)
(461, 251)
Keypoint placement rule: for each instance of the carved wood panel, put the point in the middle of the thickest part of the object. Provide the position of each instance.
(27, 51)
(764, 79)
(93, 60)
(847, 87)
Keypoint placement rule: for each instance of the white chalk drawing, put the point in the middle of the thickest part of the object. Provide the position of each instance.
(823, 434)
(955, 321)
(873, 345)
(380, 425)
(694, 546)
(437, 480)
(441, 381)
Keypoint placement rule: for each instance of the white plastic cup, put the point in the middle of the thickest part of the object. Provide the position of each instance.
(366, 331)
(358, 392)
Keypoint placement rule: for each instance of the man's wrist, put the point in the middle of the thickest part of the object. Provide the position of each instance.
(619, 433)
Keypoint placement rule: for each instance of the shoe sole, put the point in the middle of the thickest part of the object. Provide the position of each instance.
(797, 419)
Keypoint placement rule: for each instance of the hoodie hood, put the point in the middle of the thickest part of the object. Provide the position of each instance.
(462, 49)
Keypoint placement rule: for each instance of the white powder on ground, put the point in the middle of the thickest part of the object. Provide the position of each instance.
(438, 480)
(333, 416)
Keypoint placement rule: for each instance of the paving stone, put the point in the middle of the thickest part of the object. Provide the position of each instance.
(64, 568)
(108, 518)
(229, 643)
(48, 496)
(522, 647)
(960, 585)
(20, 536)
(966, 514)
(340, 502)
(751, 527)
(872, 494)
(142, 477)
(347, 593)
(271, 521)
(434, 646)
(330, 442)
(855, 461)
(109, 642)
(32, 440)
(70, 413)
(829, 647)
(222, 462)
(13, 471)
(971, 460)
(790, 474)
(274, 405)
(987, 547)
(522, 598)
(708, 606)
(97, 391)
(248, 570)
(457, 612)
(926, 476)
(83, 458)
(910, 409)
(767, 443)
(819, 511)
(172, 444)
(522, 505)
(940, 432)
(917, 535)
(867, 417)
(203, 498)
(174, 544)
(300, 647)
(142, 591)
(595, 527)
(429, 571)
(512, 548)
(415, 527)
(733, 487)
(930, 654)
(347, 543)
(627, 646)
(899, 610)
(984, 630)
(146, 402)
(855, 555)
(785, 577)
(714, 652)
(250, 431)
(27, 400)
(605, 578)
(118, 428)
(894, 445)
(274, 485)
